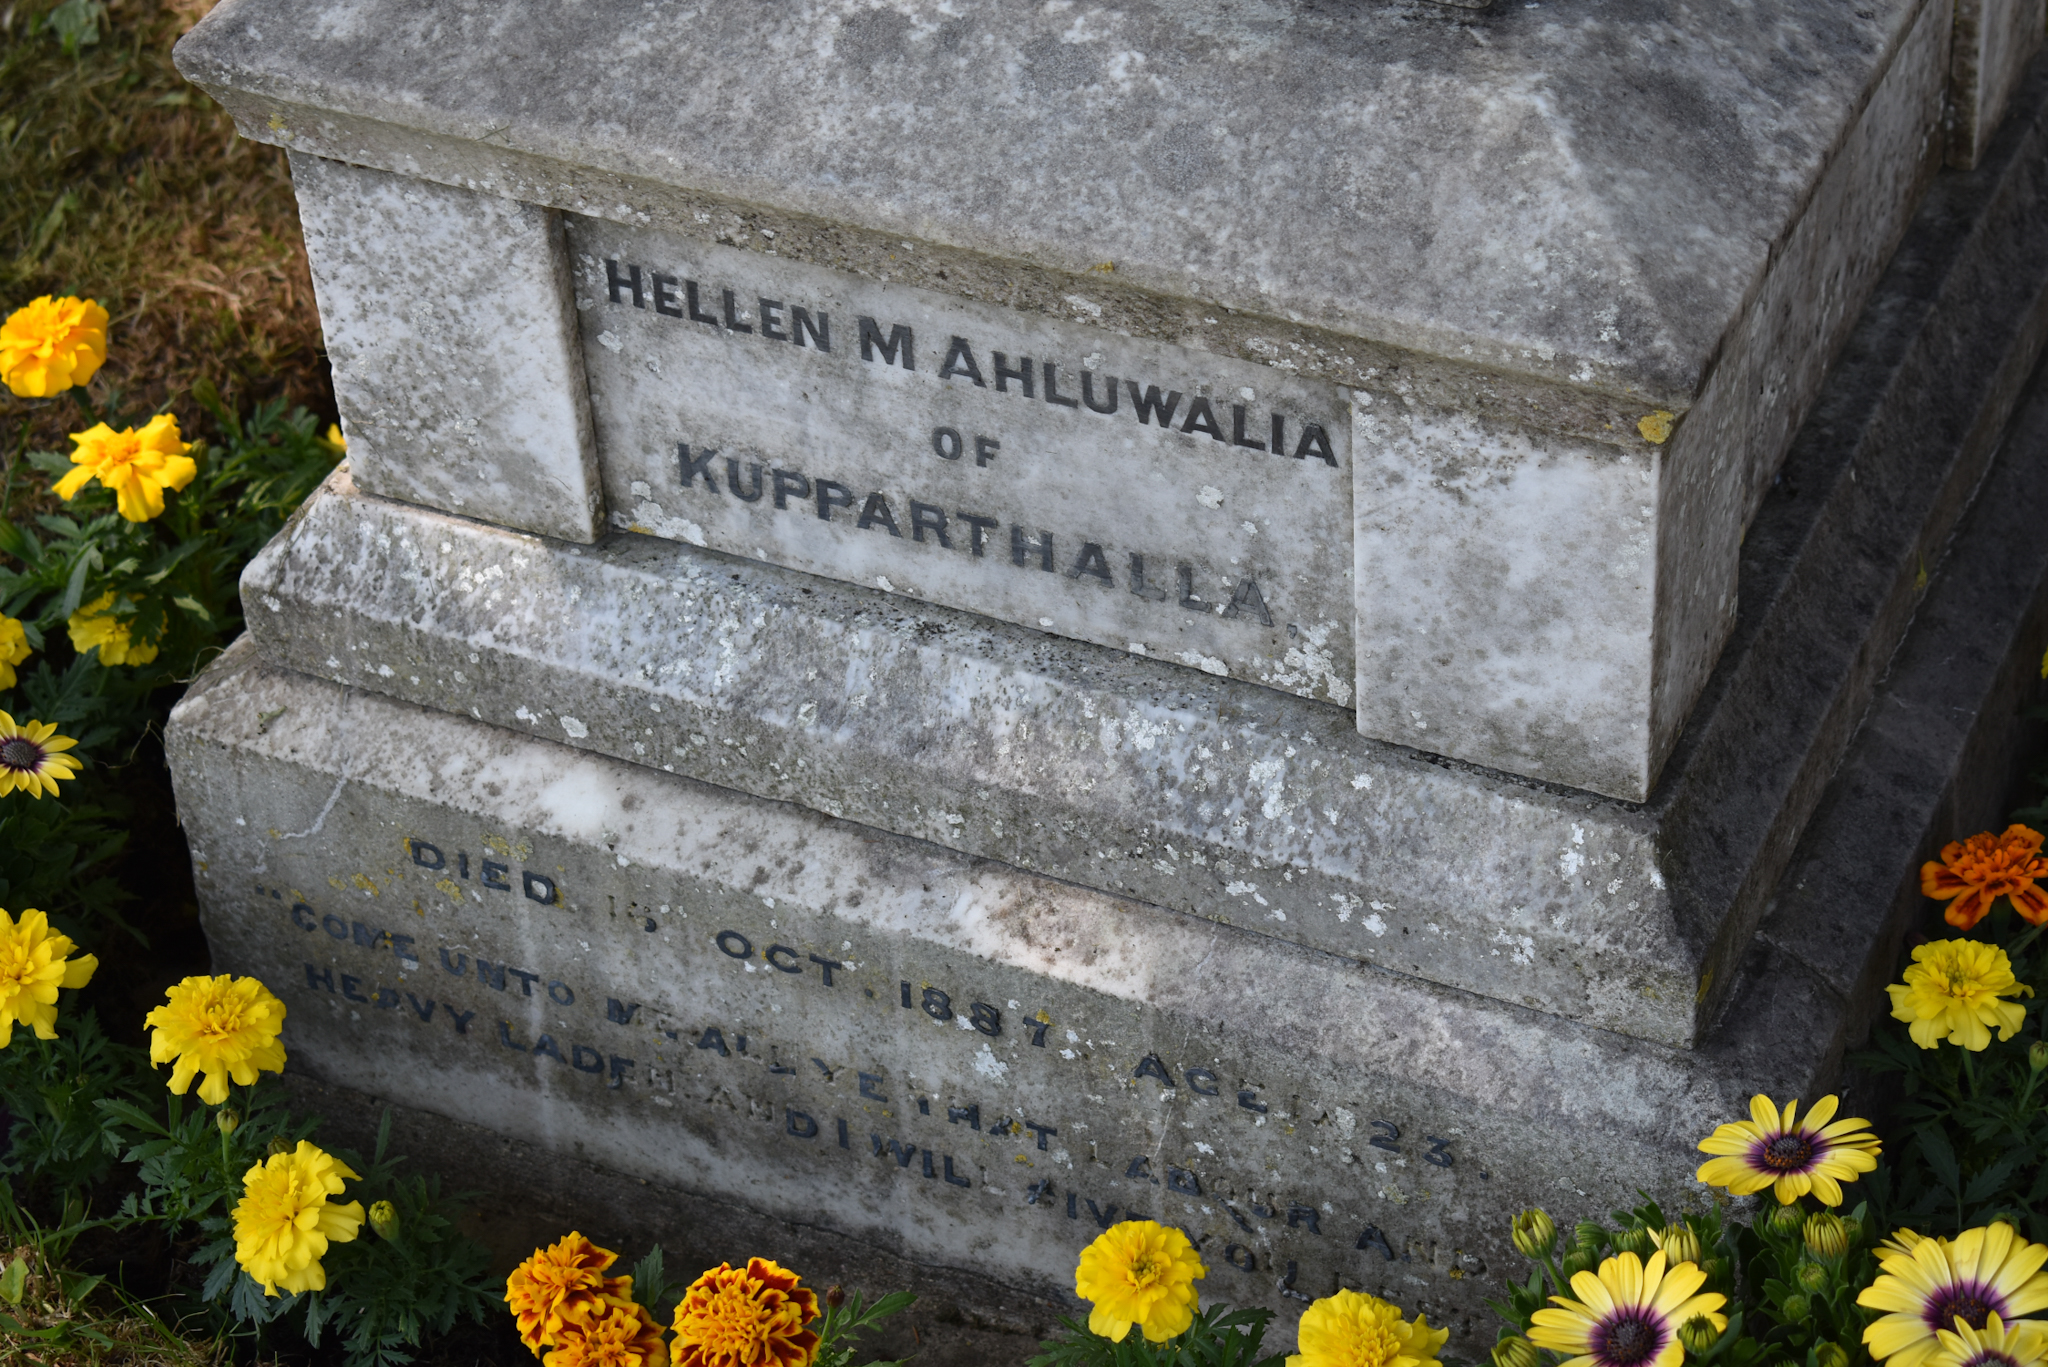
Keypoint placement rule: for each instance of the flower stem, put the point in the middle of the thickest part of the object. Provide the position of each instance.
(2013, 950)
(14, 463)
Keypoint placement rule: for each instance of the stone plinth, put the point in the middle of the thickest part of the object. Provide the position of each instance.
(762, 711)
(1515, 245)
(1227, 799)
(970, 1064)
(877, 1035)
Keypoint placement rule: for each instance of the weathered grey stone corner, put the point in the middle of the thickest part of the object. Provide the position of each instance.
(934, 1052)
(1994, 41)
(456, 361)
(1517, 233)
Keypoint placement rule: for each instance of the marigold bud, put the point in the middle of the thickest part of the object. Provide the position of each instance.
(225, 1120)
(835, 1297)
(1589, 1236)
(1681, 1245)
(1515, 1351)
(1535, 1234)
(1698, 1334)
(1813, 1277)
(1831, 1355)
(1788, 1220)
(2037, 1055)
(384, 1219)
(1826, 1237)
(278, 1144)
(1793, 1309)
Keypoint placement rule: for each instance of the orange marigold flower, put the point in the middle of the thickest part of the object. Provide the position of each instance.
(623, 1334)
(562, 1288)
(746, 1317)
(1974, 873)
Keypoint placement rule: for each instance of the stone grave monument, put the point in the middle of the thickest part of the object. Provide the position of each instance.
(957, 621)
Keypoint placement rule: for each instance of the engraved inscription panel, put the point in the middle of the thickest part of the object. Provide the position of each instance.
(743, 1047)
(1129, 492)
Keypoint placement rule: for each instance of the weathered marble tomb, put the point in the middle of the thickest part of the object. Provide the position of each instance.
(958, 620)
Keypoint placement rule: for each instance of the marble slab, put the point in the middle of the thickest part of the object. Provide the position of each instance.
(1218, 796)
(1586, 265)
(976, 1067)
(881, 1037)
(1114, 489)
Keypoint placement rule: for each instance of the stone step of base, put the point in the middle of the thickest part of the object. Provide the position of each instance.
(969, 1064)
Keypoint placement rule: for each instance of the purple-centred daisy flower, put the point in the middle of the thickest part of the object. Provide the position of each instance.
(1941, 1284)
(1628, 1315)
(1791, 1155)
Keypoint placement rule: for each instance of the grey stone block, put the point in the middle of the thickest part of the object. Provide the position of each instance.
(1219, 798)
(455, 358)
(477, 924)
(599, 959)
(1994, 41)
(1516, 232)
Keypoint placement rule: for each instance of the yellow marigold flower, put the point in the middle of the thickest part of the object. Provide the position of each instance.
(1982, 1272)
(224, 1027)
(1952, 991)
(92, 625)
(334, 437)
(34, 962)
(1628, 1315)
(1972, 874)
(137, 466)
(284, 1221)
(32, 758)
(49, 345)
(1139, 1272)
(621, 1334)
(561, 1288)
(746, 1317)
(1997, 1344)
(1791, 1156)
(13, 649)
(1354, 1330)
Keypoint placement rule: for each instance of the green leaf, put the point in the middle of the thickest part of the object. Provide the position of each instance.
(1941, 1157)
(14, 1280)
(1992, 1180)
(74, 591)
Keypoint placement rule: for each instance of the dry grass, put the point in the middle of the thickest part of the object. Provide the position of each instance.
(120, 182)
